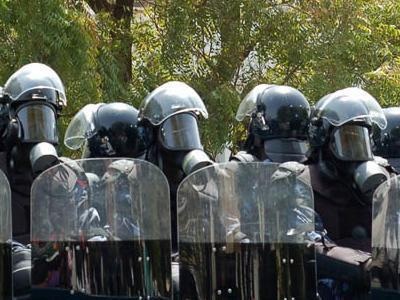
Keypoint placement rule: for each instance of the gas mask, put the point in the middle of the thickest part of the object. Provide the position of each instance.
(368, 176)
(195, 160)
(33, 133)
(181, 146)
(351, 148)
(36, 157)
(43, 156)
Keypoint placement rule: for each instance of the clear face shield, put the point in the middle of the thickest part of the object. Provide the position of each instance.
(180, 133)
(351, 143)
(37, 123)
(37, 133)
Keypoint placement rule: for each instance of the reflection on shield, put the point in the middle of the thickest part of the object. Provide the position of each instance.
(243, 234)
(101, 227)
(385, 270)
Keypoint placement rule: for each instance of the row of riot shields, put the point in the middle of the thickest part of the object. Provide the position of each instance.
(243, 234)
(101, 230)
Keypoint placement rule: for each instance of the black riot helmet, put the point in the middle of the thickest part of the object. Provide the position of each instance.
(343, 121)
(36, 96)
(106, 130)
(172, 109)
(171, 112)
(387, 141)
(279, 121)
(340, 131)
(171, 98)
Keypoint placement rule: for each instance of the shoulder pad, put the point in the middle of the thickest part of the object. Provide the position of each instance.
(72, 164)
(243, 156)
(293, 167)
(124, 166)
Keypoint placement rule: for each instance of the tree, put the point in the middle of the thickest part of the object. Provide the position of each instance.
(121, 13)
(70, 38)
(224, 48)
(108, 50)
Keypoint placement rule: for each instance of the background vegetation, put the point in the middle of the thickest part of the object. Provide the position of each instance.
(120, 50)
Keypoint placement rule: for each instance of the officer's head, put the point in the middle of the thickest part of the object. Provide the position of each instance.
(386, 142)
(340, 130)
(170, 114)
(342, 123)
(279, 122)
(35, 96)
(106, 130)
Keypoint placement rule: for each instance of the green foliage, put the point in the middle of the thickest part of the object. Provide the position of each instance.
(222, 48)
(317, 46)
(67, 37)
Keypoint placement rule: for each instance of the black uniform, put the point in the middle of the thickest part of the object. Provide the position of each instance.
(344, 174)
(169, 114)
(31, 102)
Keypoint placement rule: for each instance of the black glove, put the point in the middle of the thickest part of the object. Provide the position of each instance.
(344, 264)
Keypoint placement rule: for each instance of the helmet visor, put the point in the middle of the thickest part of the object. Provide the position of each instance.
(289, 149)
(180, 132)
(169, 99)
(352, 143)
(249, 102)
(37, 123)
(81, 127)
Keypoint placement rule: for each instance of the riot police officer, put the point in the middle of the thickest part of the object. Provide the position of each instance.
(278, 126)
(169, 114)
(107, 130)
(387, 141)
(32, 100)
(344, 175)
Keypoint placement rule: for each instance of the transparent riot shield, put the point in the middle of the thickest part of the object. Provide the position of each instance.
(5, 239)
(243, 234)
(385, 268)
(101, 229)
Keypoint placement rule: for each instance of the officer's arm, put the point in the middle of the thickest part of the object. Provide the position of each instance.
(343, 264)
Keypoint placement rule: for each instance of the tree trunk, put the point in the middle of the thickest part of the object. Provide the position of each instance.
(122, 13)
